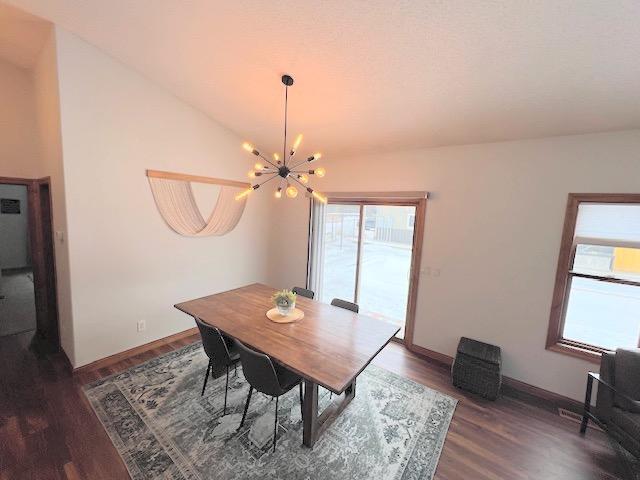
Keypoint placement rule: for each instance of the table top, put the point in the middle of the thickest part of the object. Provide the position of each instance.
(330, 346)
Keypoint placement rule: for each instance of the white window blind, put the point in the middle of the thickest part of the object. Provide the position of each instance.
(315, 262)
(608, 224)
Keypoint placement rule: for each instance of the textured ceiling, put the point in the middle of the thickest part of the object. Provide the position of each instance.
(21, 36)
(380, 74)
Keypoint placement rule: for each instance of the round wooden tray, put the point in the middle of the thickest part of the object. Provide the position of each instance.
(294, 316)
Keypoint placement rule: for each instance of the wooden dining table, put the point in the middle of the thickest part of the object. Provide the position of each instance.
(329, 347)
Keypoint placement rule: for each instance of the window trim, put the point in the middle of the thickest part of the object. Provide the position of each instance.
(560, 298)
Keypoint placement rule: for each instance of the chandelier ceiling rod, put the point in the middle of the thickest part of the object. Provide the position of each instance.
(288, 81)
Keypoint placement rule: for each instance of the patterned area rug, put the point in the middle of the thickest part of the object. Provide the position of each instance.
(630, 464)
(162, 427)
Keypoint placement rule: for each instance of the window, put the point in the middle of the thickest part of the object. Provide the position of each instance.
(596, 303)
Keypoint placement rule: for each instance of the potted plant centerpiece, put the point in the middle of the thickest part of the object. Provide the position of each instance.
(285, 301)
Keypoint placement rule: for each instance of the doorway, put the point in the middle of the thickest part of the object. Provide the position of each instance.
(367, 251)
(17, 296)
(28, 300)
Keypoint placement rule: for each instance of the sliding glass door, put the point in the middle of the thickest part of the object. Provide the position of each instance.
(365, 254)
(341, 234)
(385, 263)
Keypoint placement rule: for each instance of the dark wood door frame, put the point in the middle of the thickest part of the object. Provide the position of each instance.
(42, 257)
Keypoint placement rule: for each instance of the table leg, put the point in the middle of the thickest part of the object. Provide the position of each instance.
(314, 424)
(310, 416)
(350, 391)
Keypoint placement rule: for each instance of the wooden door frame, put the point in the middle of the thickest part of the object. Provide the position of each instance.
(42, 258)
(404, 199)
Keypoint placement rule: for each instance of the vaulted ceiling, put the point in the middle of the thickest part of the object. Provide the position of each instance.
(21, 36)
(379, 74)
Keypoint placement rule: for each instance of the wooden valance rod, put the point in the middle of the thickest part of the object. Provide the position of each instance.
(399, 195)
(196, 178)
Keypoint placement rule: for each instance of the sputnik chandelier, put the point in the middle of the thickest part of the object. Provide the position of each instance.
(284, 168)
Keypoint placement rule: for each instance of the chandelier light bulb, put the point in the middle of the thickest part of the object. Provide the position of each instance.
(251, 174)
(240, 196)
(292, 192)
(296, 144)
(248, 147)
(258, 166)
(303, 178)
(276, 157)
(320, 172)
(278, 193)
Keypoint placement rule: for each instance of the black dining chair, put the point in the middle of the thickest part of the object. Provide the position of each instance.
(303, 292)
(222, 352)
(338, 302)
(267, 377)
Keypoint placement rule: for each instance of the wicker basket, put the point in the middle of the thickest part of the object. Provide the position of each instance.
(478, 368)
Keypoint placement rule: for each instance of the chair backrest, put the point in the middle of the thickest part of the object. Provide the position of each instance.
(303, 292)
(259, 371)
(214, 345)
(626, 372)
(338, 302)
(605, 399)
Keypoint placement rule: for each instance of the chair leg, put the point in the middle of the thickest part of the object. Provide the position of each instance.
(587, 405)
(275, 426)
(301, 402)
(584, 423)
(235, 369)
(246, 407)
(226, 388)
(206, 377)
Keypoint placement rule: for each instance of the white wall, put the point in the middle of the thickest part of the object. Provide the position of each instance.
(47, 105)
(14, 230)
(493, 228)
(125, 263)
(18, 133)
(30, 147)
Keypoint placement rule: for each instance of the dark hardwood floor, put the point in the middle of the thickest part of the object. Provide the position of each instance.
(48, 430)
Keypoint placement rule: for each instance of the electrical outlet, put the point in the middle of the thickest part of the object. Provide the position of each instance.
(141, 325)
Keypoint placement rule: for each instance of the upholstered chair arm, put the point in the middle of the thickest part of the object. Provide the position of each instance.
(611, 389)
(604, 402)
